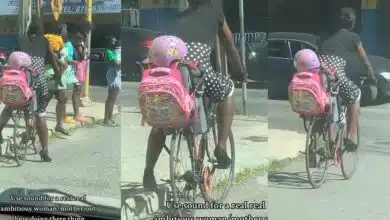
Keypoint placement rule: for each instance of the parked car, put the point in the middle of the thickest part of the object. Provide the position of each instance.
(134, 50)
(255, 54)
(282, 47)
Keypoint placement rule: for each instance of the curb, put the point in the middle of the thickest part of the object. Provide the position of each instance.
(146, 205)
(73, 127)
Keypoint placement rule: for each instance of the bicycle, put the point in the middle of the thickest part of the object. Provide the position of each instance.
(331, 128)
(21, 141)
(24, 140)
(200, 174)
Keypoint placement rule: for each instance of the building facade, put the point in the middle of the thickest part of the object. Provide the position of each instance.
(106, 18)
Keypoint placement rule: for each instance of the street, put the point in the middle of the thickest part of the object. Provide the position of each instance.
(86, 163)
(250, 134)
(365, 196)
(251, 192)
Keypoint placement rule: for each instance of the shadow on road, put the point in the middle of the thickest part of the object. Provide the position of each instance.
(295, 180)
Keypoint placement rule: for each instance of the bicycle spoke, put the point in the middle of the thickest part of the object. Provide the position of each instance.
(216, 183)
(349, 159)
(316, 153)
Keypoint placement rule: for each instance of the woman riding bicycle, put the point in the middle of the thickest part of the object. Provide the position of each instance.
(37, 46)
(199, 26)
(331, 55)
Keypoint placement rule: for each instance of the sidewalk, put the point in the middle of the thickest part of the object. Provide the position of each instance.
(250, 135)
(93, 113)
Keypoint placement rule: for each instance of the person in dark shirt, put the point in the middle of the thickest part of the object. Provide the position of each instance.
(37, 47)
(198, 26)
(345, 41)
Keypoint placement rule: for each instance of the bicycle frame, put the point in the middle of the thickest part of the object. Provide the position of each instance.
(328, 122)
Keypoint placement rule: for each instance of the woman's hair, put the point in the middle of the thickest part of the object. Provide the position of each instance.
(81, 26)
(118, 43)
(347, 18)
(33, 28)
(109, 40)
(56, 28)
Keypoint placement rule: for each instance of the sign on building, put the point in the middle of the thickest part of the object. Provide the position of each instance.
(11, 7)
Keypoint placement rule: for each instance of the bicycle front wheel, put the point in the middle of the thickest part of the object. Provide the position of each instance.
(316, 159)
(182, 169)
(349, 158)
(18, 146)
(215, 183)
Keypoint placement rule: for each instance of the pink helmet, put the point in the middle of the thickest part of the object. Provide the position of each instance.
(18, 60)
(166, 49)
(305, 60)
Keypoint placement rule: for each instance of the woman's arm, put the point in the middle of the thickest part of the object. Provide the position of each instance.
(233, 56)
(363, 56)
(53, 61)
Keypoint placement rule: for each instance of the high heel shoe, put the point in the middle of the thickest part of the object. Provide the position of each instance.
(149, 182)
(223, 158)
(44, 156)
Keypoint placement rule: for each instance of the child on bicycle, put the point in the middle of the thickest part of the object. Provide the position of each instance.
(307, 60)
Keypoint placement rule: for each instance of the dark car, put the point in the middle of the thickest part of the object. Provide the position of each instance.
(282, 47)
(134, 50)
(255, 54)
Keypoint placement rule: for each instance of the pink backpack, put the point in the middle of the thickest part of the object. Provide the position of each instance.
(15, 89)
(164, 100)
(307, 95)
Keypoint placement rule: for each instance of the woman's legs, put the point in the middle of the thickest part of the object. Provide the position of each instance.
(110, 102)
(155, 145)
(4, 118)
(353, 114)
(61, 110)
(77, 102)
(225, 114)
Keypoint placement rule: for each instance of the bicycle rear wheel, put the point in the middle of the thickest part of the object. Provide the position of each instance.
(18, 146)
(313, 151)
(183, 181)
(32, 139)
(349, 157)
(211, 182)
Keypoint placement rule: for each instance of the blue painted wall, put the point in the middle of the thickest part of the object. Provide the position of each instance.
(8, 41)
(368, 31)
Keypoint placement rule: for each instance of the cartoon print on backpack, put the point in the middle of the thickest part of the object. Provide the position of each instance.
(15, 88)
(163, 98)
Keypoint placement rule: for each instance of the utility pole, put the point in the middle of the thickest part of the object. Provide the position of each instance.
(25, 15)
(86, 101)
(243, 59)
(39, 11)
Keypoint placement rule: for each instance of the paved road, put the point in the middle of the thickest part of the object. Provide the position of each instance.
(252, 191)
(365, 196)
(256, 104)
(87, 163)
